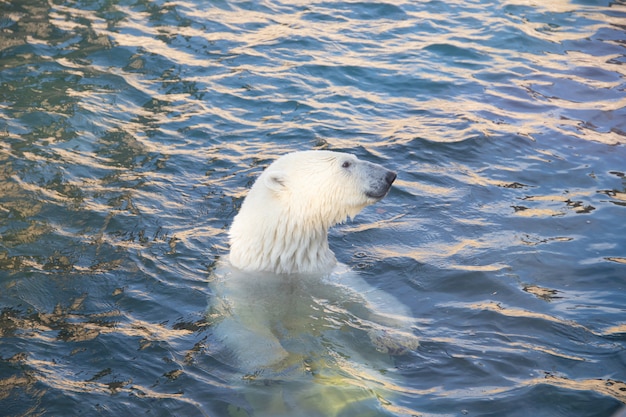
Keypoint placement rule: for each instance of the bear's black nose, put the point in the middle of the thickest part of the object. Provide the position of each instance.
(390, 177)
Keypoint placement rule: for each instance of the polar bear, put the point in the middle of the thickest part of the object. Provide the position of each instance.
(283, 309)
(283, 223)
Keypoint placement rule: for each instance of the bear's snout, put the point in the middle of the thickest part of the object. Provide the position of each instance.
(378, 189)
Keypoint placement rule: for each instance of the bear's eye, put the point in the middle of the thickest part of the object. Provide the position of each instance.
(346, 164)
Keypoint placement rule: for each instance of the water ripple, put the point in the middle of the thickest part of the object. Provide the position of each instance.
(131, 131)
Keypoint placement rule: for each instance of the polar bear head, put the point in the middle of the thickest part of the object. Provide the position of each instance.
(283, 223)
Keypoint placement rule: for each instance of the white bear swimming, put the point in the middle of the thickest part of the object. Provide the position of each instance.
(283, 224)
(287, 315)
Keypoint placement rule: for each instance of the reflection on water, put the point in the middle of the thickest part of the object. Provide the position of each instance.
(130, 132)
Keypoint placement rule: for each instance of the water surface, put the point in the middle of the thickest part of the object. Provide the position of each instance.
(131, 130)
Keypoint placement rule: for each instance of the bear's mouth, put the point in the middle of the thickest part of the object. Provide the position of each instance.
(377, 195)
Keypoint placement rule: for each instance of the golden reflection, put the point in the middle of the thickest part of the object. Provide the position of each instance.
(535, 240)
(480, 268)
(615, 330)
(67, 325)
(610, 387)
(447, 250)
(555, 198)
(620, 196)
(551, 352)
(430, 255)
(619, 260)
(55, 375)
(14, 198)
(518, 312)
(533, 212)
(542, 293)
(25, 382)
(246, 32)
(425, 189)
(443, 253)
(75, 327)
(384, 223)
(569, 204)
(556, 6)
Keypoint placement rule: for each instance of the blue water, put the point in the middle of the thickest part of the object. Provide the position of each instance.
(131, 130)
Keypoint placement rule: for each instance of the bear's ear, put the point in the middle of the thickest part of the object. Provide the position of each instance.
(275, 181)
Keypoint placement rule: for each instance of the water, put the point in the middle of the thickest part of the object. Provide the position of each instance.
(130, 132)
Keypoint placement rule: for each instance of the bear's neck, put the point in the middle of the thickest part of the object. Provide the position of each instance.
(283, 247)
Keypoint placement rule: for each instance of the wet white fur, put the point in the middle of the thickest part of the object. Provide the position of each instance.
(283, 223)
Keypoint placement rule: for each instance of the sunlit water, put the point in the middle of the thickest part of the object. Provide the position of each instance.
(130, 131)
